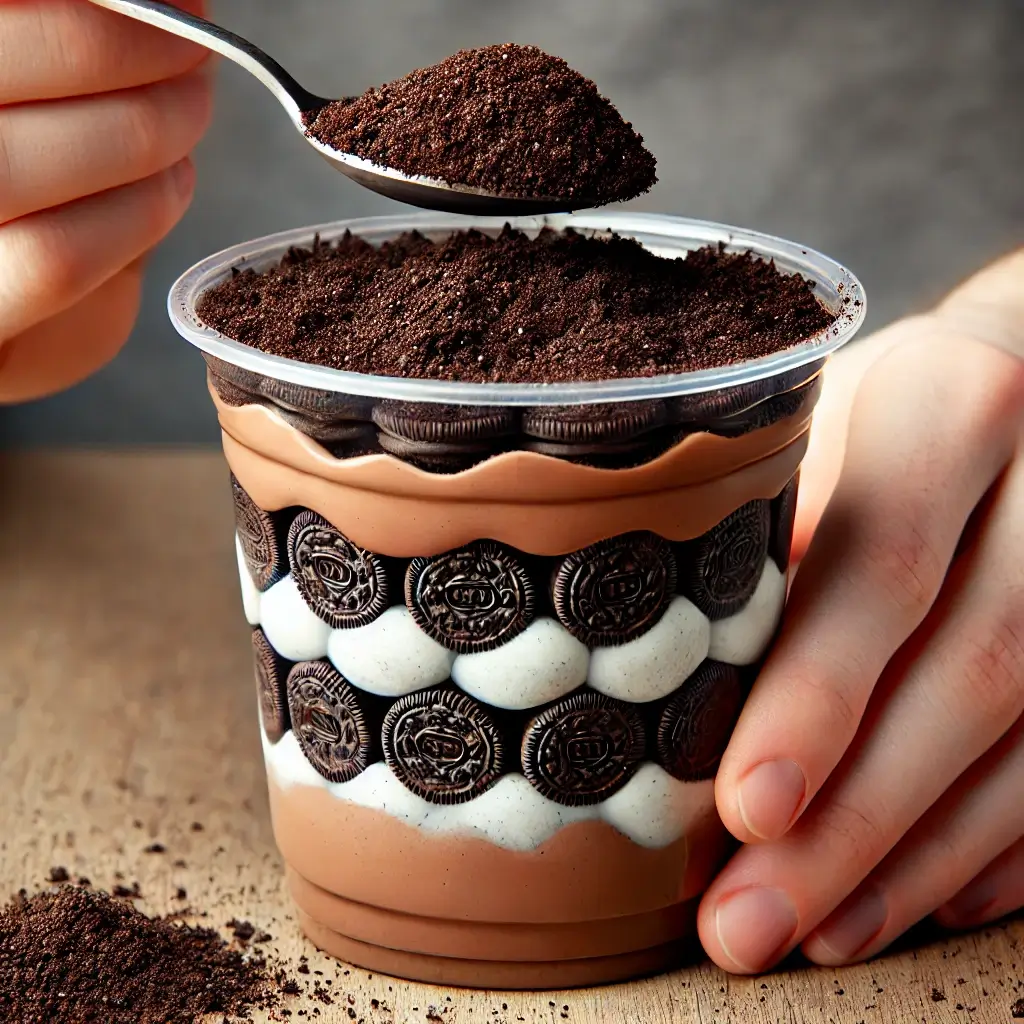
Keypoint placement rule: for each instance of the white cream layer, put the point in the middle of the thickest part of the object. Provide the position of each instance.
(657, 662)
(653, 808)
(392, 656)
(543, 663)
(744, 637)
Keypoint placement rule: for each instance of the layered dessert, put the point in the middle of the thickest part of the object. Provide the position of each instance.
(501, 640)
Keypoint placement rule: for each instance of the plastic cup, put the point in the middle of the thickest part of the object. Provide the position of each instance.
(502, 632)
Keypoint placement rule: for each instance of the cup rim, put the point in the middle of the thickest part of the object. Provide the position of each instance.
(835, 285)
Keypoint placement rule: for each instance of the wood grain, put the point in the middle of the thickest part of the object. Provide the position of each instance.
(127, 718)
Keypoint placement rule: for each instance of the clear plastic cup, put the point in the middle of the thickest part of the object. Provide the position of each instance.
(502, 632)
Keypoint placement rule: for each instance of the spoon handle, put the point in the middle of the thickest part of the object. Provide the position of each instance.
(292, 96)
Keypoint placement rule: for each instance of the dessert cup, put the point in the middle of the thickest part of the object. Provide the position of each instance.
(502, 632)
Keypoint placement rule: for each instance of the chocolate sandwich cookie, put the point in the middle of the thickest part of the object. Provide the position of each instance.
(471, 599)
(605, 423)
(695, 725)
(615, 590)
(725, 564)
(315, 403)
(437, 456)
(364, 443)
(783, 514)
(444, 424)
(442, 745)
(231, 394)
(601, 456)
(326, 431)
(245, 380)
(343, 584)
(271, 677)
(257, 534)
(771, 410)
(328, 721)
(709, 406)
(583, 749)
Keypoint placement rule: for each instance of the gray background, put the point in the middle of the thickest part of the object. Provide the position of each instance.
(886, 133)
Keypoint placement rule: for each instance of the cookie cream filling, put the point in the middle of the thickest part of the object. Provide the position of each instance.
(391, 656)
(653, 809)
(543, 663)
(743, 638)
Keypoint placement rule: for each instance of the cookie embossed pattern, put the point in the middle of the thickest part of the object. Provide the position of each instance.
(502, 631)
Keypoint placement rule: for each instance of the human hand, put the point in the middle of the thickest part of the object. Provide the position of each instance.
(877, 770)
(98, 114)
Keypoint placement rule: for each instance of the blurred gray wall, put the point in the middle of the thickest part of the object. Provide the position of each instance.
(886, 133)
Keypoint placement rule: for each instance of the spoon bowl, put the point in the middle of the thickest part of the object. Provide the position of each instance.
(298, 102)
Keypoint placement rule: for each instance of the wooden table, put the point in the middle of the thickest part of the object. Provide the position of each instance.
(127, 718)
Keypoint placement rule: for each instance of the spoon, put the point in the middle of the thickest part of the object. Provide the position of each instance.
(430, 193)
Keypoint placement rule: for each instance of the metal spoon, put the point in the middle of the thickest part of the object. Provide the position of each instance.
(417, 191)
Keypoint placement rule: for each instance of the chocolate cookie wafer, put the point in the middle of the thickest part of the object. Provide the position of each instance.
(442, 438)
(783, 514)
(363, 444)
(725, 563)
(471, 599)
(316, 403)
(711, 406)
(583, 749)
(771, 410)
(244, 380)
(443, 745)
(329, 722)
(343, 584)
(604, 456)
(231, 394)
(615, 590)
(439, 424)
(258, 535)
(327, 432)
(436, 456)
(695, 724)
(271, 675)
(589, 425)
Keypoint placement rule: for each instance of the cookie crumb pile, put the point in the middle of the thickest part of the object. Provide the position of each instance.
(77, 954)
(508, 119)
(558, 307)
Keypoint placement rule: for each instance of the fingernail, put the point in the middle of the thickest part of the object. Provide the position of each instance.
(769, 797)
(852, 927)
(755, 926)
(971, 904)
(183, 177)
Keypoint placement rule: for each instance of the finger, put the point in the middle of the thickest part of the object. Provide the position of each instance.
(997, 891)
(990, 305)
(49, 261)
(874, 568)
(821, 465)
(54, 153)
(945, 699)
(64, 48)
(74, 344)
(979, 818)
